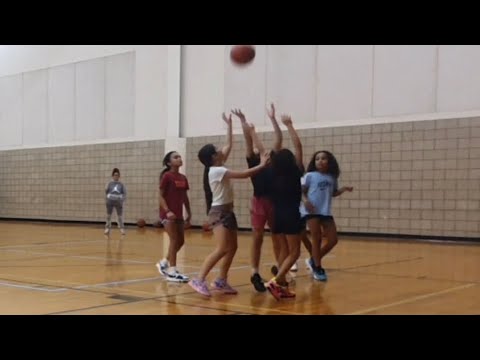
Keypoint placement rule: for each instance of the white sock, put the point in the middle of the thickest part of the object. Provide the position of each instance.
(172, 270)
(164, 262)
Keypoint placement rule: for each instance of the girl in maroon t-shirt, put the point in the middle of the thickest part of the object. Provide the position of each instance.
(173, 196)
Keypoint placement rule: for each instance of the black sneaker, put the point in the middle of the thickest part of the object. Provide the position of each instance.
(257, 282)
(274, 270)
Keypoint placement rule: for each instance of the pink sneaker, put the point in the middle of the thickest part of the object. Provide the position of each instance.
(274, 289)
(278, 291)
(200, 287)
(223, 286)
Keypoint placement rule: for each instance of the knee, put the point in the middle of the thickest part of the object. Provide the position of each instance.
(258, 236)
(332, 240)
(296, 252)
(221, 251)
(180, 243)
(233, 248)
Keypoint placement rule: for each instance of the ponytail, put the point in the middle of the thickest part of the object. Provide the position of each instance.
(163, 172)
(165, 162)
(206, 189)
(205, 156)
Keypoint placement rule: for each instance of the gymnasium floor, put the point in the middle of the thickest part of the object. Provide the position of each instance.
(73, 269)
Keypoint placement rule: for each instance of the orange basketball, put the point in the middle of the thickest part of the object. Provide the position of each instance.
(141, 223)
(242, 54)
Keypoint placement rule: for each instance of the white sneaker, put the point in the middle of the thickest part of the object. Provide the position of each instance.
(122, 231)
(309, 263)
(177, 277)
(162, 267)
(107, 231)
(294, 267)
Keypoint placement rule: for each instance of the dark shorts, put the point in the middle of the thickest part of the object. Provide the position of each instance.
(223, 215)
(324, 219)
(286, 220)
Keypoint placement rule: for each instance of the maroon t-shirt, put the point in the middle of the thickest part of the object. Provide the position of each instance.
(174, 186)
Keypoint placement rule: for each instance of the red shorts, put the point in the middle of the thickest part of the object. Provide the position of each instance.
(261, 212)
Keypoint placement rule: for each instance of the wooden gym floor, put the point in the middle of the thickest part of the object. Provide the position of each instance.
(73, 269)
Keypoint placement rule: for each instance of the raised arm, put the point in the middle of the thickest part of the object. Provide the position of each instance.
(246, 132)
(228, 147)
(256, 140)
(277, 143)
(297, 144)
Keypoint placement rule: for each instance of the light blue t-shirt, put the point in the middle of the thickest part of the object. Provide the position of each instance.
(321, 188)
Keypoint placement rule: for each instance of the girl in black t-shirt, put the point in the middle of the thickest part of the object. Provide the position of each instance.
(286, 194)
(261, 206)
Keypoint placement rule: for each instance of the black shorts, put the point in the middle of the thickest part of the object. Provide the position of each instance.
(322, 218)
(286, 221)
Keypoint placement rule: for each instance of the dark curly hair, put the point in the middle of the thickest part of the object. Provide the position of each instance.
(333, 168)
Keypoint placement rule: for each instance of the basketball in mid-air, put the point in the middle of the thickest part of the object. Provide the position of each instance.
(242, 54)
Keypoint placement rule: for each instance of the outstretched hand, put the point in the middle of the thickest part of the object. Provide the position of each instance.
(271, 112)
(228, 120)
(239, 114)
(286, 120)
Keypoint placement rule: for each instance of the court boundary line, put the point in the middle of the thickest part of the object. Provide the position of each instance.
(159, 277)
(47, 244)
(35, 288)
(246, 306)
(412, 299)
(125, 261)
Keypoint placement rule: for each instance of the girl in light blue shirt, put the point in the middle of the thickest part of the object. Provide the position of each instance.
(321, 186)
